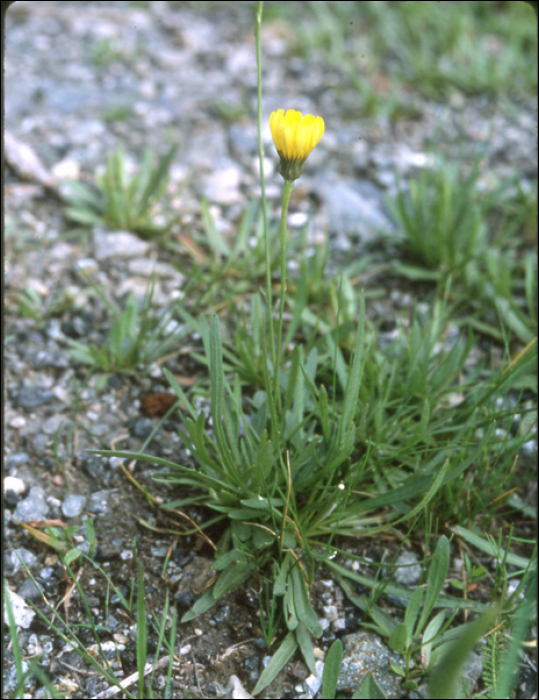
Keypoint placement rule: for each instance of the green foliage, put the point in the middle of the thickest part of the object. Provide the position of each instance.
(332, 668)
(118, 201)
(441, 217)
(137, 337)
(448, 232)
(430, 47)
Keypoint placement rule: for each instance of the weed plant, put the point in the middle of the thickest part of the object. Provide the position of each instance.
(138, 336)
(448, 229)
(318, 436)
(285, 470)
(388, 49)
(118, 201)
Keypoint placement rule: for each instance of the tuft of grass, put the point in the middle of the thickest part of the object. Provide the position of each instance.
(386, 49)
(139, 335)
(118, 201)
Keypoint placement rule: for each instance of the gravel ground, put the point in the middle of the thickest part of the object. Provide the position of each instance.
(175, 73)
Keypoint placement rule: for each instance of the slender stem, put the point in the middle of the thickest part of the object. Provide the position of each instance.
(287, 191)
(269, 301)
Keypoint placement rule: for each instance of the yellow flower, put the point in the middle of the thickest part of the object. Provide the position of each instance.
(294, 136)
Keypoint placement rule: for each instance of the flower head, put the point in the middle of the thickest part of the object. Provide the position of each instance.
(294, 136)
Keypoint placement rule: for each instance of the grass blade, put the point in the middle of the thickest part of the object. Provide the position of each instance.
(277, 663)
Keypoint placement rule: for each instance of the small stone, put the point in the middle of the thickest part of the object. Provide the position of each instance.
(67, 169)
(16, 559)
(14, 484)
(29, 590)
(98, 502)
(17, 459)
(22, 612)
(34, 506)
(73, 506)
(331, 613)
(17, 423)
(410, 573)
(89, 265)
(142, 427)
(237, 691)
(297, 219)
(222, 186)
(30, 397)
(53, 424)
(118, 244)
(365, 652)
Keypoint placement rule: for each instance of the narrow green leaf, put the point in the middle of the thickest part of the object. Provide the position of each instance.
(445, 674)
(142, 628)
(412, 611)
(438, 568)
(400, 639)
(304, 609)
(71, 556)
(179, 392)
(431, 630)
(354, 377)
(216, 240)
(369, 690)
(281, 579)
(277, 663)
(305, 644)
(289, 607)
(332, 670)
(490, 548)
(202, 605)
(233, 576)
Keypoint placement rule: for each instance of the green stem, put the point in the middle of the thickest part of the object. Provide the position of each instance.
(287, 191)
(269, 301)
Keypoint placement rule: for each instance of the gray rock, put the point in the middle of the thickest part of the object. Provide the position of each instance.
(17, 459)
(411, 571)
(41, 359)
(53, 424)
(118, 244)
(223, 186)
(94, 466)
(364, 652)
(243, 140)
(142, 427)
(73, 506)
(30, 590)
(353, 207)
(34, 506)
(98, 501)
(15, 558)
(30, 397)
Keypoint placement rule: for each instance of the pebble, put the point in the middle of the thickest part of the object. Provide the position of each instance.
(410, 571)
(73, 506)
(93, 466)
(17, 422)
(16, 559)
(33, 507)
(98, 501)
(22, 612)
(142, 427)
(29, 590)
(222, 186)
(14, 484)
(29, 397)
(118, 244)
(17, 459)
(365, 652)
(353, 207)
(53, 424)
